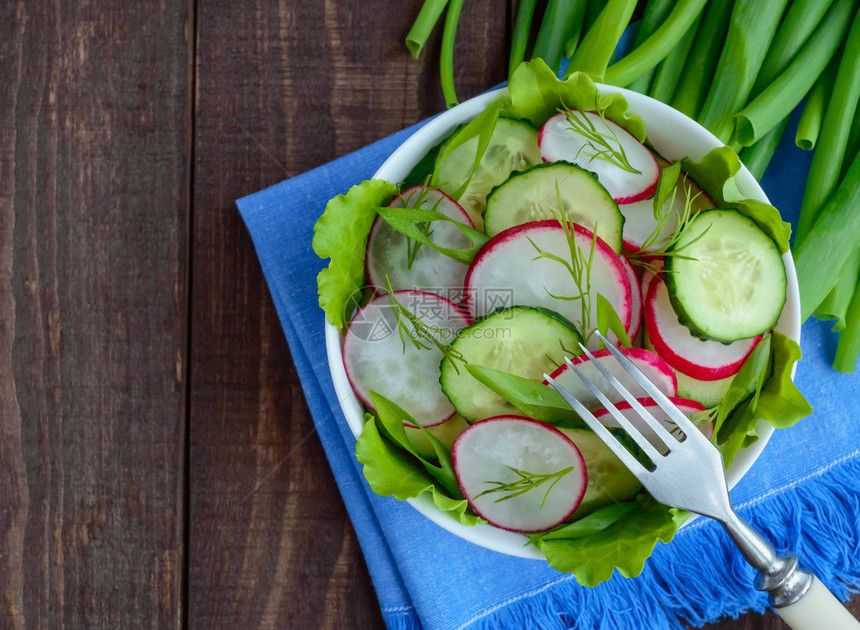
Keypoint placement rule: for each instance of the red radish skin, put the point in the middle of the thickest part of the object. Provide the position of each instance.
(558, 142)
(687, 407)
(431, 271)
(366, 375)
(702, 360)
(513, 248)
(655, 270)
(653, 366)
(518, 438)
(635, 300)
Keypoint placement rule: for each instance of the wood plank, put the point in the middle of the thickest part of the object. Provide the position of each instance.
(93, 208)
(283, 87)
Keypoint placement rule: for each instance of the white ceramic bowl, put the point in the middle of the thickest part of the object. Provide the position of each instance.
(675, 136)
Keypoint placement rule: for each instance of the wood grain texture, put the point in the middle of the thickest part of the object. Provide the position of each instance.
(282, 87)
(93, 206)
(127, 131)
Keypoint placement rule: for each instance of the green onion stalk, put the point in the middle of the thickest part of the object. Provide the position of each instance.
(520, 39)
(757, 157)
(446, 57)
(751, 29)
(800, 22)
(836, 304)
(833, 138)
(659, 44)
(702, 61)
(848, 347)
(429, 14)
(820, 257)
(594, 52)
(669, 72)
(653, 16)
(809, 125)
(560, 20)
(779, 98)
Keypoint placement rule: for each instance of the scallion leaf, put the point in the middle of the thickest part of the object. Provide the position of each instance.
(520, 39)
(779, 98)
(602, 37)
(833, 139)
(751, 29)
(446, 56)
(809, 125)
(699, 69)
(559, 20)
(429, 14)
(657, 46)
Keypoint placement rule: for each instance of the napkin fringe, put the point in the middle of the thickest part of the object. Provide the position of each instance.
(699, 583)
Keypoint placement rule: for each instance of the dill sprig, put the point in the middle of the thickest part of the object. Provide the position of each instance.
(604, 145)
(578, 265)
(525, 482)
(413, 245)
(655, 245)
(412, 329)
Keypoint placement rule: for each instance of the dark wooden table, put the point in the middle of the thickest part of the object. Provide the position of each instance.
(158, 467)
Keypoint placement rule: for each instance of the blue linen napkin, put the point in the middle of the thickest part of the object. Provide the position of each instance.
(804, 492)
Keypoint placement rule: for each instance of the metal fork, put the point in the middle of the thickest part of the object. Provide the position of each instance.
(688, 473)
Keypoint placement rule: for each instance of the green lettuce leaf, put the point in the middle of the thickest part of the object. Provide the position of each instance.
(392, 417)
(779, 401)
(715, 174)
(391, 471)
(609, 539)
(340, 234)
(536, 94)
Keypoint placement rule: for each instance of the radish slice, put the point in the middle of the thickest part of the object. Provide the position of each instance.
(506, 272)
(688, 407)
(709, 393)
(654, 270)
(377, 360)
(655, 368)
(641, 226)
(558, 141)
(494, 449)
(636, 300)
(702, 360)
(388, 250)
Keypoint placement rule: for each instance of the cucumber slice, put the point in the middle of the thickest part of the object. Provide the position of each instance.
(730, 283)
(609, 481)
(513, 147)
(533, 195)
(522, 340)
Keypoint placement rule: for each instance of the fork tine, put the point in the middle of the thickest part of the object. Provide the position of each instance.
(677, 416)
(635, 434)
(639, 471)
(646, 416)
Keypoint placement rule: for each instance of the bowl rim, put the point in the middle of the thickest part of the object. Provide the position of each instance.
(661, 122)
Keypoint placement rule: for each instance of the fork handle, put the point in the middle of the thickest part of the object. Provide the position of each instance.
(796, 595)
(815, 607)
